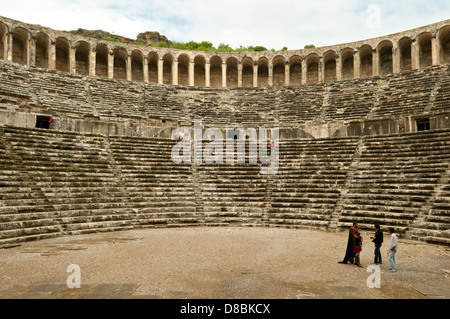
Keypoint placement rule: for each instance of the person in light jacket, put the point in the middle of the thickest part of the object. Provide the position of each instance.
(393, 247)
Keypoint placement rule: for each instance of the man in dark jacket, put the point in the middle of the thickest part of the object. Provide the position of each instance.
(377, 240)
(349, 254)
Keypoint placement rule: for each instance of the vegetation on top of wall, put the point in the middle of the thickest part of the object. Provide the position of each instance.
(208, 46)
(310, 46)
(143, 39)
(112, 39)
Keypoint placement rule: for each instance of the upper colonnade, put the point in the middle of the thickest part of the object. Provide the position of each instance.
(43, 47)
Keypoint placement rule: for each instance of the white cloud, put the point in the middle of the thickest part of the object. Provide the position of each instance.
(273, 24)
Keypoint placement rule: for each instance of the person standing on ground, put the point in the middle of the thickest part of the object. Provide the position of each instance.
(349, 255)
(393, 246)
(357, 244)
(377, 240)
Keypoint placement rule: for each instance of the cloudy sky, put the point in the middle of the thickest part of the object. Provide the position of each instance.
(272, 24)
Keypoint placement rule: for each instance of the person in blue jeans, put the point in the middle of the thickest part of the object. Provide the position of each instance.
(393, 246)
(378, 241)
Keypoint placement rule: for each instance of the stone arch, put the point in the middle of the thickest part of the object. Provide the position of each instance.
(232, 72)
(20, 46)
(199, 70)
(365, 56)
(329, 65)
(295, 70)
(3, 39)
(82, 57)
(137, 66)
(167, 68)
(183, 69)
(424, 46)
(444, 44)
(101, 60)
(263, 72)
(120, 63)
(385, 57)
(404, 47)
(62, 50)
(247, 72)
(347, 64)
(279, 70)
(152, 60)
(215, 71)
(312, 68)
(42, 50)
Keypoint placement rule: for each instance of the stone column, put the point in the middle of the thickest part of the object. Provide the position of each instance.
(239, 74)
(321, 70)
(92, 62)
(191, 73)
(128, 67)
(32, 52)
(175, 72)
(145, 69)
(224, 74)
(270, 80)
(375, 63)
(52, 55)
(287, 74)
(415, 57)
(208, 74)
(395, 59)
(5, 46)
(435, 50)
(304, 71)
(338, 68)
(9, 46)
(356, 65)
(72, 60)
(255, 74)
(111, 65)
(160, 70)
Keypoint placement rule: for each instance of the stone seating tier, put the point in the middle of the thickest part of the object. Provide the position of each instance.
(57, 182)
(65, 95)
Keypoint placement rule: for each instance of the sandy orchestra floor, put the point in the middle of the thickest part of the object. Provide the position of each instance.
(219, 263)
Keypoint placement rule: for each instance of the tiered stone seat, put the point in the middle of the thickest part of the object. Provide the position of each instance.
(434, 225)
(14, 91)
(442, 95)
(160, 191)
(408, 92)
(16, 195)
(115, 99)
(232, 193)
(298, 104)
(395, 179)
(60, 95)
(309, 181)
(350, 100)
(74, 96)
(67, 185)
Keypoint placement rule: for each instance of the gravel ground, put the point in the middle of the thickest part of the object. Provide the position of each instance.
(227, 262)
